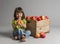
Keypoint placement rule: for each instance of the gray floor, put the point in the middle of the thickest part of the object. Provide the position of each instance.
(51, 38)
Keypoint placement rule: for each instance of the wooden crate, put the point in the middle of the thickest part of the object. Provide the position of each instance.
(38, 26)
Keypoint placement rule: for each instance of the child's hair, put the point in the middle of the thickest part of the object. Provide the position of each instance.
(18, 10)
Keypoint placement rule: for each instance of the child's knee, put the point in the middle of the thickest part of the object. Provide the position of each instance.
(27, 33)
(15, 33)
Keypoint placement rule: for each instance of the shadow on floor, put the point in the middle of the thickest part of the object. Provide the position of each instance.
(6, 34)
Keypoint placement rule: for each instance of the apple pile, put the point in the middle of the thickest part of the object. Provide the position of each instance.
(40, 35)
(36, 18)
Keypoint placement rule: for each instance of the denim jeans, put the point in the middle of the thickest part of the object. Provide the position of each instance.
(20, 32)
(27, 33)
(15, 32)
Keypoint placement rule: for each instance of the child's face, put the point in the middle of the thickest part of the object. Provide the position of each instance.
(19, 15)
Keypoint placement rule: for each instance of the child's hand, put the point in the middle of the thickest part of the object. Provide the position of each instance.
(21, 25)
(16, 22)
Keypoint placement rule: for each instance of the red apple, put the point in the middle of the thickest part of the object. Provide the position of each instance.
(41, 17)
(28, 17)
(38, 19)
(43, 35)
(46, 17)
(33, 17)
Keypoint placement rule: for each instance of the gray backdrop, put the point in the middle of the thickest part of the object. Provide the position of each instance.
(50, 8)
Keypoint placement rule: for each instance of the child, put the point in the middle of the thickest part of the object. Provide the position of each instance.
(19, 24)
